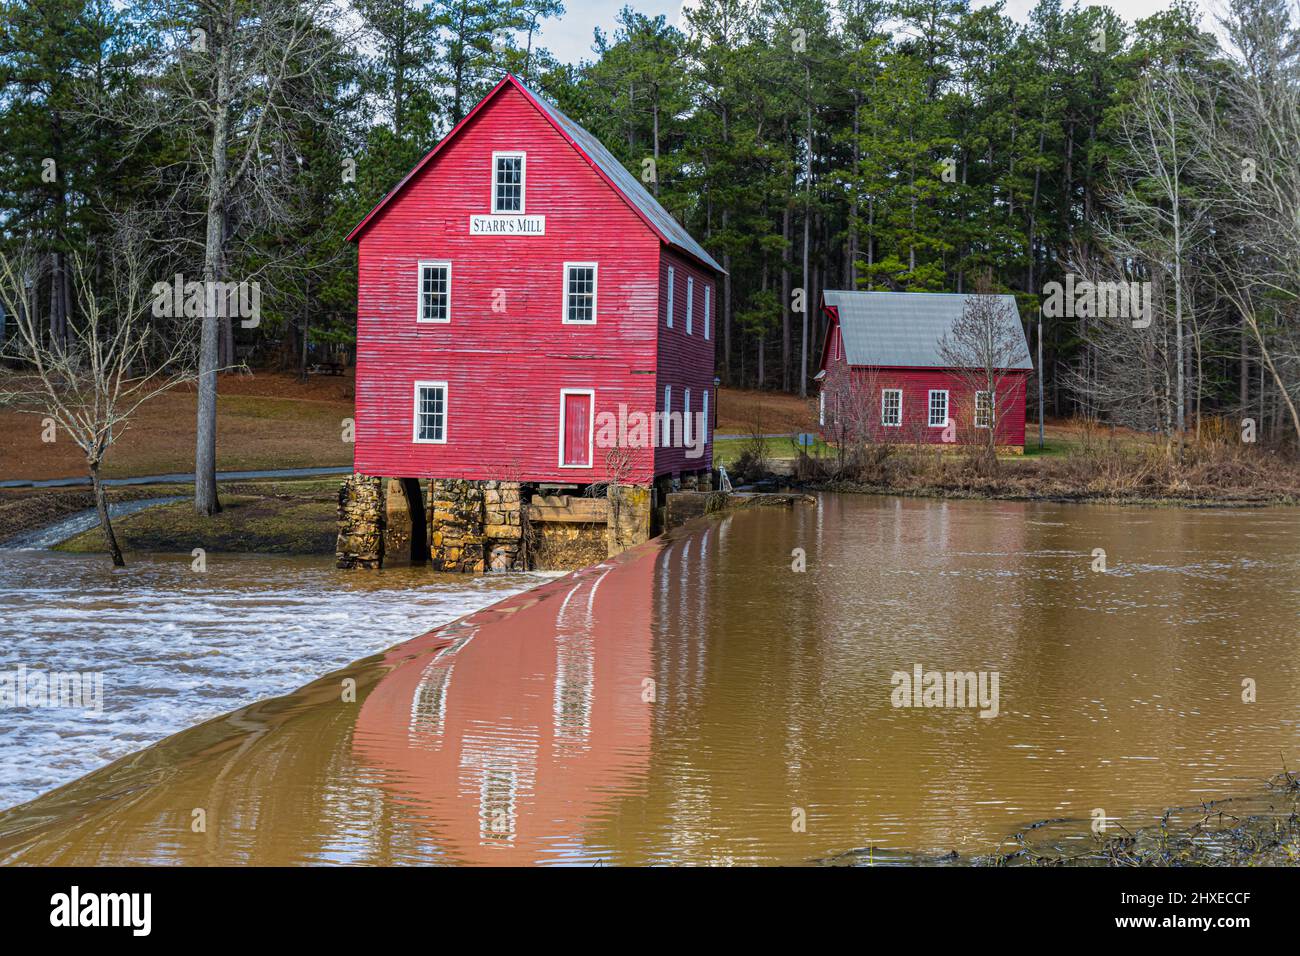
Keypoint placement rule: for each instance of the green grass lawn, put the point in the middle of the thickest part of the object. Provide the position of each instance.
(1052, 447)
(727, 450)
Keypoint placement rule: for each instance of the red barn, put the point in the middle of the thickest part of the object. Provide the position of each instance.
(886, 376)
(528, 311)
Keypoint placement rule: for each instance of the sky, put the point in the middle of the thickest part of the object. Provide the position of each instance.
(569, 38)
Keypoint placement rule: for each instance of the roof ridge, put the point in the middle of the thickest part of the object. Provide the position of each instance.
(658, 219)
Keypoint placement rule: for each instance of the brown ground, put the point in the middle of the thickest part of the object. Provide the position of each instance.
(742, 410)
(264, 420)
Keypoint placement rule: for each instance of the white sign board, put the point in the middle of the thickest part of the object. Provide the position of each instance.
(507, 225)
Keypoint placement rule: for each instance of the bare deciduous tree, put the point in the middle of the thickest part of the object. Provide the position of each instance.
(231, 86)
(1129, 376)
(849, 412)
(1159, 217)
(91, 382)
(1246, 141)
(984, 345)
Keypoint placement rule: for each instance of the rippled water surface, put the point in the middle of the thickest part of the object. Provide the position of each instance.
(695, 699)
(175, 647)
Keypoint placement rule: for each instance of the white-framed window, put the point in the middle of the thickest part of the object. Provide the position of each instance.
(672, 274)
(891, 407)
(430, 425)
(435, 292)
(509, 179)
(686, 417)
(690, 303)
(580, 293)
(938, 408)
(821, 408)
(705, 417)
(983, 410)
(667, 438)
(707, 289)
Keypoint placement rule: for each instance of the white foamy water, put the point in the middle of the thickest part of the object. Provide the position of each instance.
(177, 647)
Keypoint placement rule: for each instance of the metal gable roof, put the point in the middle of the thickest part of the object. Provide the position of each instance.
(904, 329)
(632, 188)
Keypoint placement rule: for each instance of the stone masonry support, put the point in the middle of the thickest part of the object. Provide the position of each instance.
(361, 523)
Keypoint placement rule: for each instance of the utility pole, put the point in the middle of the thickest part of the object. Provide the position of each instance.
(807, 216)
(1040, 376)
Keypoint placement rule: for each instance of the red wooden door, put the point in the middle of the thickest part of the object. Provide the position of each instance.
(577, 430)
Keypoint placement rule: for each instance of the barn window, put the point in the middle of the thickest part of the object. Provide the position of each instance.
(938, 408)
(686, 418)
(707, 289)
(671, 275)
(580, 293)
(983, 410)
(690, 303)
(705, 416)
(430, 413)
(508, 172)
(891, 407)
(435, 292)
(668, 411)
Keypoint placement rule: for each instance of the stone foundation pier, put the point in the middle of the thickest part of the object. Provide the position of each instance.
(478, 526)
(361, 523)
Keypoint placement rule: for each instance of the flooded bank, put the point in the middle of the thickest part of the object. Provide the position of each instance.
(697, 700)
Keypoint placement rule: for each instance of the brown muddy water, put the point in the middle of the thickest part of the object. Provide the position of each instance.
(696, 700)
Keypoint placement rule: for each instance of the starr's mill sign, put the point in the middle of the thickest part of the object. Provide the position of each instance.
(507, 225)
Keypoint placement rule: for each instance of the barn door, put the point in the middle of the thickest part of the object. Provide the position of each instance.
(575, 426)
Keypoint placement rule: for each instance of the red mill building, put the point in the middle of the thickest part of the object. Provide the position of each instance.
(530, 323)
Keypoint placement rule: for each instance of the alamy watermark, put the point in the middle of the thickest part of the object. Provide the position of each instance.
(922, 688)
(626, 429)
(1105, 300)
(77, 690)
(194, 299)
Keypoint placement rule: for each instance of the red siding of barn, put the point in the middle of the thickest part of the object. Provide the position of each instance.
(916, 384)
(686, 359)
(505, 370)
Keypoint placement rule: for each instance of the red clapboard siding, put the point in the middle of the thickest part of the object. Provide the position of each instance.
(686, 359)
(916, 384)
(505, 370)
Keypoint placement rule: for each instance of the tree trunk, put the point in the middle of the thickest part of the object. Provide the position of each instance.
(1266, 361)
(205, 453)
(1243, 371)
(805, 278)
(106, 526)
(655, 108)
(785, 299)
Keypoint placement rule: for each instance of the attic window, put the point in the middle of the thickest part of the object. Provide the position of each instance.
(508, 182)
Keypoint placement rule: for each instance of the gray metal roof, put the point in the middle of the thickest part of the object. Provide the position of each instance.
(905, 328)
(626, 183)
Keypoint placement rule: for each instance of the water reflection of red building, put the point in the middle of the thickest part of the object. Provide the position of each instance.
(510, 732)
